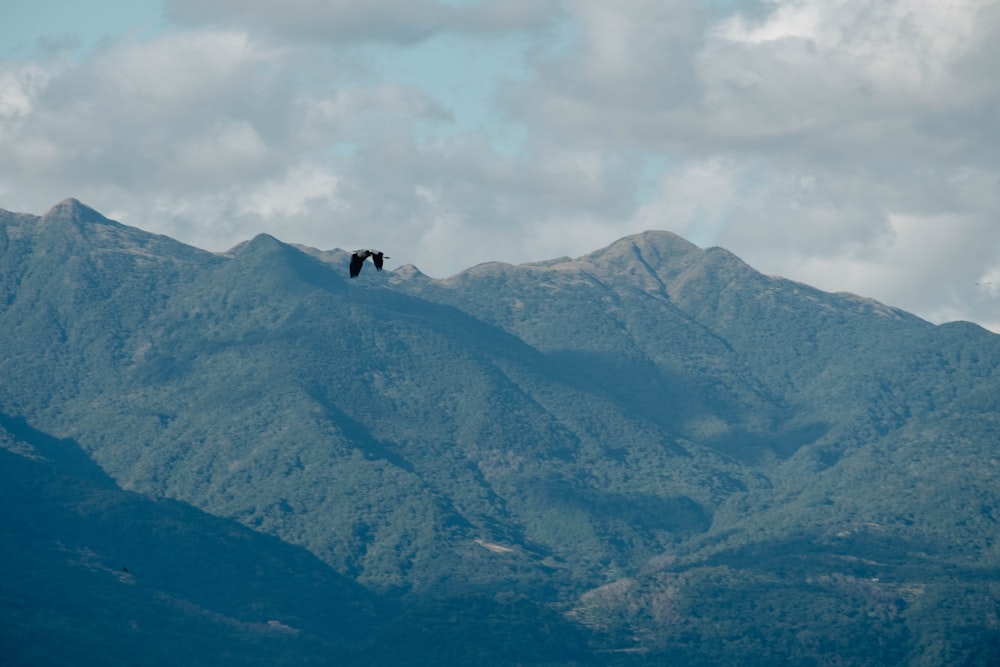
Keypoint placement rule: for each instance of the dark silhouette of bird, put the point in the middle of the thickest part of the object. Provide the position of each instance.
(358, 258)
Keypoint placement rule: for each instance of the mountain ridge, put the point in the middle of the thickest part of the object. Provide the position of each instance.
(622, 437)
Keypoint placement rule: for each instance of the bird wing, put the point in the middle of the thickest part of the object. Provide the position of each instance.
(356, 262)
(377, 258)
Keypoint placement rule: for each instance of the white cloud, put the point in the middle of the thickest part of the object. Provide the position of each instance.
(348, 22)
(18, 85)
(849, 143)
(171, 113)
(830, 142)
(292, 195)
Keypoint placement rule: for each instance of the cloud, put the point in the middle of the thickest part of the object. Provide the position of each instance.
(348, 22)
(839, 143)
(804, 76)
(177, 106)
(850, 144)
(212, 135)
(205, 119)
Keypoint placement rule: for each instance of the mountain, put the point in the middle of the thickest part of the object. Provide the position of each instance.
(648, 453)
(98, 575)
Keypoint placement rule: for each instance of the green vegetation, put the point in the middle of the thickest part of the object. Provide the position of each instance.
(652, 454)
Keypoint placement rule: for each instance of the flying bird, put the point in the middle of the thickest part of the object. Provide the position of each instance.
(358, 258)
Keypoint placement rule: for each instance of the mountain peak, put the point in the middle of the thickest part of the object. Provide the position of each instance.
(260, 245)
(73, 210)
(658, 239)
(652, 248)
(645, 260)
(264, 240)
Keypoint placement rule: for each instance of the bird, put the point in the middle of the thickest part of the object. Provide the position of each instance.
(358, 258)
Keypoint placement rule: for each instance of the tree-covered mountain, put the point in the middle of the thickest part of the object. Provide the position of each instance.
(97, 575)
(649, 453)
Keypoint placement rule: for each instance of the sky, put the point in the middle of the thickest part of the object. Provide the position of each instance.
(853, 145)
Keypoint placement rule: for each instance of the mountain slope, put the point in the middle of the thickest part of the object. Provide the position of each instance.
(649, 438)
(101, 575)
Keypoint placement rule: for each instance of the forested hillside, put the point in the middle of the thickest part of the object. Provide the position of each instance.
(649, 453)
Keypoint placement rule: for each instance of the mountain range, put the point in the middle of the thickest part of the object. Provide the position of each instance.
(649, 454)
